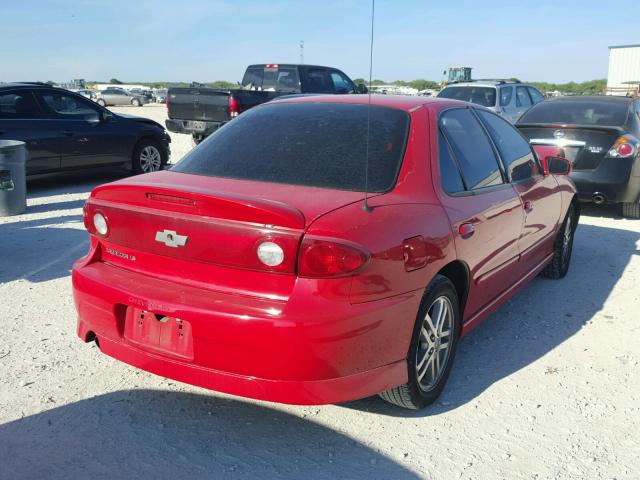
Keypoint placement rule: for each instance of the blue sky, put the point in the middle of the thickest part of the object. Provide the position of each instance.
(205, 40)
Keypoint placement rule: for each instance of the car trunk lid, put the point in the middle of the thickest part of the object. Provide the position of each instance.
(584, 145)
(206, 230)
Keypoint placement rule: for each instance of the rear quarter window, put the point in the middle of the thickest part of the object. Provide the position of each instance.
(485, 96)
(312, 144)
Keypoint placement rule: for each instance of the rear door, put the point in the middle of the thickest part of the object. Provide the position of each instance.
(523, 101)
(22, 118)
(484, 210)
(508, 102)
(540, 196)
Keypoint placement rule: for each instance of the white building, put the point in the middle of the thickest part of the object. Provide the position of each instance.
(624, 70)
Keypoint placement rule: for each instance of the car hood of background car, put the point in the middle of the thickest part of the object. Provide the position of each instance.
(139, 119)
(298, 206)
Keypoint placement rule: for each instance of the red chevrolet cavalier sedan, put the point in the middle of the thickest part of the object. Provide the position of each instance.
(321, 249)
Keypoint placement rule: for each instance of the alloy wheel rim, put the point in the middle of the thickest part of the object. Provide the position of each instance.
(434, 348)
(150, 159)
(566, 240)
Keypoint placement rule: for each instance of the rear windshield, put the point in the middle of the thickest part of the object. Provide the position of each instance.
(577, 112)
(485, 96)
(312, 144)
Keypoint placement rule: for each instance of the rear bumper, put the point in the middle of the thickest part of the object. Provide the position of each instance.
(298, 352)
(618, 180)
(187, 126)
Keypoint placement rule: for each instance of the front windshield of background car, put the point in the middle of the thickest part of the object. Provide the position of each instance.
(312, 144)
(578, 112)
(485, 96)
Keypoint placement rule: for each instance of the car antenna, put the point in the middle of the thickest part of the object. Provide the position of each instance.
(366, 207)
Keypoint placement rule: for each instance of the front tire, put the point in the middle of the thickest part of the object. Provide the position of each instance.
(101, 102)
(135, 102)
(631, 210)
(148, 156)
(433, 347)
(563, 246)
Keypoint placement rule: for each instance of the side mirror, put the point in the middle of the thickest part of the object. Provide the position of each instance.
(556, 166)
(361, 88)
(106, 117)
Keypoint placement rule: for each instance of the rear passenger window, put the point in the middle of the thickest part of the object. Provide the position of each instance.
(253, 77)
(449, 173)
(514, 150)
(471, 148)
(506, 93)
(536, 96)
(19, 105)
(522, 97)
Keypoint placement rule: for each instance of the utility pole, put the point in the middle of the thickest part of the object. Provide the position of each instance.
(301, 52)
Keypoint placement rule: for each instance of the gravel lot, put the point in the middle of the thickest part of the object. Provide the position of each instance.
(547, 388)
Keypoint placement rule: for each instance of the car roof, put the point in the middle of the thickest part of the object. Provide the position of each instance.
(13, 85)
(407, 103)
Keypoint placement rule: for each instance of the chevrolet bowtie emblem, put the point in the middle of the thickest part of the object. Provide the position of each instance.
(171, 238)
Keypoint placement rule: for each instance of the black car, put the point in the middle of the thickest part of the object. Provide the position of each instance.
(66, 131)
(601, 137)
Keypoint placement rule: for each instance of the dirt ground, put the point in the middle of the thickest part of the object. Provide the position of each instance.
(547, 388)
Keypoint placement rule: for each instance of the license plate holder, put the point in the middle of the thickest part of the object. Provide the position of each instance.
(159, 333)
(198, 125)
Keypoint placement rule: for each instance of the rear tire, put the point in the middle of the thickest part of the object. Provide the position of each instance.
(148, 156)
(101, 102)
(432, 349)
(563, 246)
(631, 210)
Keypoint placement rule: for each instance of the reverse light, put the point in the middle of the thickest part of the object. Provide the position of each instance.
(270, 253)
(624, 147)
(322, 258)
(234, 110)
(100, 224)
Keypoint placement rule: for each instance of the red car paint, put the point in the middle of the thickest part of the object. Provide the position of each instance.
(212, 315)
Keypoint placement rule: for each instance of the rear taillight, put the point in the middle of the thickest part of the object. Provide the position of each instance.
(324, 258)
(625, 146)
(233, 107)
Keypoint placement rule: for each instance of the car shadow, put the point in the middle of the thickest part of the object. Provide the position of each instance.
(69, 182)
(162, 434)
(538, 319)
(604, 211)
(42, 249)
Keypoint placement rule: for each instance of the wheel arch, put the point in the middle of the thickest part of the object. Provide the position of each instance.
(458, 273)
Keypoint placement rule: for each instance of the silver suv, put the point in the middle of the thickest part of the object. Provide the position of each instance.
(509, 98)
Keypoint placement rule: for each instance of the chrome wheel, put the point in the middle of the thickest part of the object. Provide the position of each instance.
(150, 159)
(566, 239)
(434, 349)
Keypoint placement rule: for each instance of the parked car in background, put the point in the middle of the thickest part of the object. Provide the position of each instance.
(90, 94)
(600, 135)
(119, 96)
(65, 131)
(201, 111)
(148, 94)
(161, 95)
(509, 98)
(288, 259)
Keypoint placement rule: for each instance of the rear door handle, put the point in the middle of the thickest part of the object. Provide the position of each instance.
(466, 230)
(68, 133)
(528, 206)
